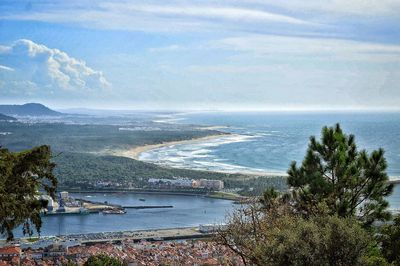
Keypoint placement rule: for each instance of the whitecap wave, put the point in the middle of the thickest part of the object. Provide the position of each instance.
(198, 155)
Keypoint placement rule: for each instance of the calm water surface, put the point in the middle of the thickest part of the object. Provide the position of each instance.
(187, 211)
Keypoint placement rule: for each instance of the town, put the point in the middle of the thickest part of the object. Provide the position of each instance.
(189, 246)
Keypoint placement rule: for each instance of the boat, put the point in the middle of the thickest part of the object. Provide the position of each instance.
(114, 211)
(81, 211)
(141, 199)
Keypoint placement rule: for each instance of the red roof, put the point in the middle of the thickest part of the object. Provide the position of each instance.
(10, 250)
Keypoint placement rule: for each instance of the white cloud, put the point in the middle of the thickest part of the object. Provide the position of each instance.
(231, 69)
(204, 11)
(6, 68)
(363, 8)
(178, 15)
(329, 49)
(169, 48)
(34, 69)
(156, 16)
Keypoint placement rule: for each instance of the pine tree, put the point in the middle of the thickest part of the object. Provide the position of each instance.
(22, 176)
(336, 178)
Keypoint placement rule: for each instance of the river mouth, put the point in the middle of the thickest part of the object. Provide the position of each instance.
(187, 211)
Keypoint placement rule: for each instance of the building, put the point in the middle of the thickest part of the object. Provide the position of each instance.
(64, 195)
(211, 184)
(195, 183)
(186, 183)
(177, 182)
(10, 253)
(51, 204)
(182, 182)
(55, 250)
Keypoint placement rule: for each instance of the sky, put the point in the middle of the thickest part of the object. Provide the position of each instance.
(194, 55)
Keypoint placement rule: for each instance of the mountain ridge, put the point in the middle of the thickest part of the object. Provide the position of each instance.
(28, 109)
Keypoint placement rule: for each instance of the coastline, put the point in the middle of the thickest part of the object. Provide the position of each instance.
(152, 234)
(207, 194)
(135, 152)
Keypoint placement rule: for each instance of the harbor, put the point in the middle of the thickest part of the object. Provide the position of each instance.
(67, 205)
(155, 211)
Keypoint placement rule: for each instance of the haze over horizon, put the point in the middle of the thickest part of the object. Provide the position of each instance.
(201, 55)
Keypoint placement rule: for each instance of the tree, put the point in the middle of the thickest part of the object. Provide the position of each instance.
(277, 236)
(336, 177)
(103, 260)
(22, 176)
(390, 241)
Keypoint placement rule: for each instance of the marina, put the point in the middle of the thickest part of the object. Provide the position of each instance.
(186, 211)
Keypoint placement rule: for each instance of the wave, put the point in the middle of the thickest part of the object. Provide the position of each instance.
(198, 155)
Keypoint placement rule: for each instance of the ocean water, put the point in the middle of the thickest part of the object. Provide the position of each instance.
(269, 142)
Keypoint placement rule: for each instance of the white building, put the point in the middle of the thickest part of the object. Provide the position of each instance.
(51, 205)
(211, 184)
(64, 195)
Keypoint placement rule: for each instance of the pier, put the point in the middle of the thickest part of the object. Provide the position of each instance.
(148, 207)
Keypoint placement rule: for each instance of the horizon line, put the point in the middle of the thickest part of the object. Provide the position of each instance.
(310, 108)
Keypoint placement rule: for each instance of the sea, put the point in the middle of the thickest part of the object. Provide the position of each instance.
(267, 142)
(260, 142)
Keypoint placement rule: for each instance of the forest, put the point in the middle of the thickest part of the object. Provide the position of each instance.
(80, 154)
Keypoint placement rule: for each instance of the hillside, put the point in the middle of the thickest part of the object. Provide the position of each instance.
(7, 118)
(28, 109)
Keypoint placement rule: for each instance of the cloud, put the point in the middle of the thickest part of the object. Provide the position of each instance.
(204, 11)
(6, 68)
(328, 49)
(36, 70)
(155, 16)
(362, 8)
(169, 48)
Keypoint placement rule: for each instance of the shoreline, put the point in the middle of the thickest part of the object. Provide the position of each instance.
(209, 194)
(135, 152)
(151, 234)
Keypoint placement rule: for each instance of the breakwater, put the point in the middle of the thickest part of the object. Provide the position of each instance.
(148, 207)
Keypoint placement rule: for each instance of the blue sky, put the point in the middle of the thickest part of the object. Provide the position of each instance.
(239, 54)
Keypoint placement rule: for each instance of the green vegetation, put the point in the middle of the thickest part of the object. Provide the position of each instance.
(389, 238)
(80, 171)
(32, 239)
(90, 138)
(103, 260)
(224, 195)
(336, 177)
(22, 175)
(79, 154)
(322, 220)
(287, 239)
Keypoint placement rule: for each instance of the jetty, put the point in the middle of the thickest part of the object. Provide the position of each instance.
(148, 207)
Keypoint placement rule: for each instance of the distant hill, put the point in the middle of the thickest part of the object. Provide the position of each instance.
(7, 118)
(28, 109)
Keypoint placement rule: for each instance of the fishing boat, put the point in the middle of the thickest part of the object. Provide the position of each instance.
(114, 211)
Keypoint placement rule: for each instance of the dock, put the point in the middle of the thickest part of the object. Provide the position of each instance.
(148, 207)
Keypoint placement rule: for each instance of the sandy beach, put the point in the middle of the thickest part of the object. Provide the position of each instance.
(135, 152)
